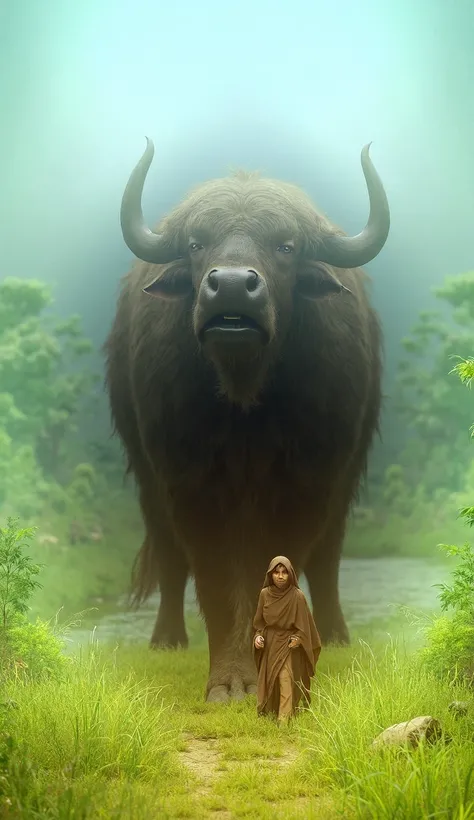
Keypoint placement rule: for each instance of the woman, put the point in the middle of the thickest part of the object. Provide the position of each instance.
(286, 642)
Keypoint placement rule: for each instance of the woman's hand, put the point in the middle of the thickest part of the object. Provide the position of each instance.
(259, 641)
(294, 642)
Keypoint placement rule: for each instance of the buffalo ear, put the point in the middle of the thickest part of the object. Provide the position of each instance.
(317, 281)
(170, 286)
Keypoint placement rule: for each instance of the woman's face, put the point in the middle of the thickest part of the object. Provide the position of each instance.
(280, 576)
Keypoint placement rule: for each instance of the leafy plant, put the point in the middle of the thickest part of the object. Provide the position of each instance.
(17, 573)
(451, 639)
(24, 646)
(35, 649)
(460, 594)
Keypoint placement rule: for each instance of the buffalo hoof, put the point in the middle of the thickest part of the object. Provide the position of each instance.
(238, 690)
(334, 635)
(336, 639)
(162, 639)
(218, 694)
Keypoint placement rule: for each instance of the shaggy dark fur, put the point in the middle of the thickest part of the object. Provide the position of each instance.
(238, 460)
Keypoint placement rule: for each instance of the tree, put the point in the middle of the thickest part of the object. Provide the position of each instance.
(450, 647)
(43, 387)
(433, 403)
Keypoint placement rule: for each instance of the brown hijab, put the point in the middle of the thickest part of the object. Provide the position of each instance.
(280, 614)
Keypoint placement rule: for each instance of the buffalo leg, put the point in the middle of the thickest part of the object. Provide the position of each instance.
(163, 563)
(170, 629)
(228, 608)
(322, 574)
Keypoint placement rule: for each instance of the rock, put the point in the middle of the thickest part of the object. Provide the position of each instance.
(410, 732)
(458, 707)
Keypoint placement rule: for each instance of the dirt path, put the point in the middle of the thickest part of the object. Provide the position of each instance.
(202, 757)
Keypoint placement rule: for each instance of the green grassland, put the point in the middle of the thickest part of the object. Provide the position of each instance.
(127, 734)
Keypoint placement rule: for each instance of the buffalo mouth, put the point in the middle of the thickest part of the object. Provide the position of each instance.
(234, 328)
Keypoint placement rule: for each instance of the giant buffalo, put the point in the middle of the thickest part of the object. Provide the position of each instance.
(244, 377)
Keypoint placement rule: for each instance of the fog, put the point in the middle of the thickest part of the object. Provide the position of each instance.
(292, 89)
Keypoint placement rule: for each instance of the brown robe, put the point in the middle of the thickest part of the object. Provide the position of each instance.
(280, 614)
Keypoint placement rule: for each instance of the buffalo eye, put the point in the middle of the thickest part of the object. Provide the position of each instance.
(286, 248)
(195, 246)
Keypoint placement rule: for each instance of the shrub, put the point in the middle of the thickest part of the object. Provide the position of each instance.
(25, 648)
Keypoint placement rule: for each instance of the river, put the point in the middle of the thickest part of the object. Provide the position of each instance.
(370, 591)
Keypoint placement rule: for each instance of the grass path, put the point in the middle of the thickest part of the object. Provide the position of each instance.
(128, 736)
(202, 759)
(220, 774)
(207, 762)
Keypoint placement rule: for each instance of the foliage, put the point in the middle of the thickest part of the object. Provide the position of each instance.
(435, 406)
(71, 488)
(460, 595)
(417, 495)
(465, 370)
(45, 390)
(23, 646)
(396, 494)
(451, 639)
(34, 649)
(43, 387)
(449, 650)
(16, 573)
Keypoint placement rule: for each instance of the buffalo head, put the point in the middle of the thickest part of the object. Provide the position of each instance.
(241, 252)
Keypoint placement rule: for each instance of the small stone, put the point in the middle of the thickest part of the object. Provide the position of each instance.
(410, 732)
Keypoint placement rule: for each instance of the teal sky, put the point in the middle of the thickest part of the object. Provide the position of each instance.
(292, 88)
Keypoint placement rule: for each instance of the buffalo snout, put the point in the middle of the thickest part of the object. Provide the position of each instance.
(233, 305)
(233, 284)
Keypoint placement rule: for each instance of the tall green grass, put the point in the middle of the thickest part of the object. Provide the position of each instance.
(108, 741)
(377, 690)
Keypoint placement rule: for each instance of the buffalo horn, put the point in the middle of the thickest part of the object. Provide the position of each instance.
(143, 242)
(355, 251)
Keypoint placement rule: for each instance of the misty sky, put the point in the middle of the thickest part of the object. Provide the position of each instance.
(294, 89)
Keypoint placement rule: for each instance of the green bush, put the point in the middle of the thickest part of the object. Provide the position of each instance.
(450, 647)
(34, 650)
(25, 648)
